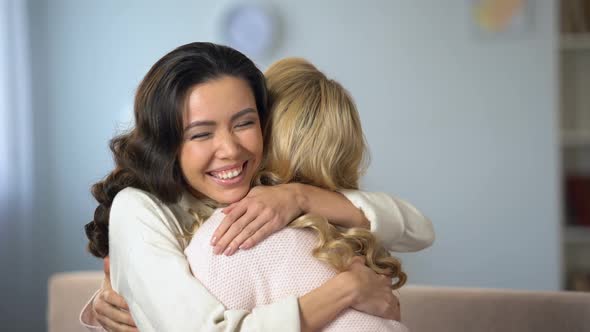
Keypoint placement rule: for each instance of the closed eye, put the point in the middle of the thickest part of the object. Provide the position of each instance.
(245, 124)
(200, 136)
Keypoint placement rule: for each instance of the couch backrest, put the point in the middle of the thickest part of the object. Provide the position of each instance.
(424, 308)
(473, 309)
(68, 293)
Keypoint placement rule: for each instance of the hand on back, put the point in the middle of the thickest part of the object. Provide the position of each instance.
(110, 308)
(373, 292)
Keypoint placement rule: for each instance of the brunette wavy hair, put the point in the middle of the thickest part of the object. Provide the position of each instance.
(146, 157)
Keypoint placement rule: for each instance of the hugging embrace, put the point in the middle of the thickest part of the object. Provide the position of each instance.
(234, 206)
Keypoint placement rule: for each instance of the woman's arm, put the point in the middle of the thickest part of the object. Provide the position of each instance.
(337, 208)
(397, 224)
(107, 311)
(150, 271)
(321, 306)
(317, 308)
(112, 312)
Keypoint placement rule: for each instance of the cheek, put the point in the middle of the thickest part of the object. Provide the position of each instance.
(191, 159)
(183, 158)
(255, 143)
(254, 147)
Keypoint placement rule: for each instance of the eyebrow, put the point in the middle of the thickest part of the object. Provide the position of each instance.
(212, 123)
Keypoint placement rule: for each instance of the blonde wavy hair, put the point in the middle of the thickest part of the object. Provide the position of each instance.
(314, 136)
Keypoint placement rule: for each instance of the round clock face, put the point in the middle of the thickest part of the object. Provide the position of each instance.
(250, 29)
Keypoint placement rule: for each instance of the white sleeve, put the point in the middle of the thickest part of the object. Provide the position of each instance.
(149, 269)
(398, 225)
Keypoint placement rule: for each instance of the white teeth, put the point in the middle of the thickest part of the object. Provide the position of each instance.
(230, 174)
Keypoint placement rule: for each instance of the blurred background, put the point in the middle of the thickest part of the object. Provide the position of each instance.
(475, 111)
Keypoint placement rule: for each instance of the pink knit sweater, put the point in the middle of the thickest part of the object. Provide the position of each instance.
(279, 266)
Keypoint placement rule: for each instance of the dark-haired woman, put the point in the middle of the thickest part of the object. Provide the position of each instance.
(198, 139)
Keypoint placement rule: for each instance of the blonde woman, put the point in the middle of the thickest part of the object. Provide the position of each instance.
(148, 268)
(315, 138)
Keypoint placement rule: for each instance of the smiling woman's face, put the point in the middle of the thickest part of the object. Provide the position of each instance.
(222, 143)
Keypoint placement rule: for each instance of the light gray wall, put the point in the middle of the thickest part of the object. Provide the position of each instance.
(461, 124)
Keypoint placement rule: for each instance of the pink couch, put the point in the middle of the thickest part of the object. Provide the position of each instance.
(424, 308)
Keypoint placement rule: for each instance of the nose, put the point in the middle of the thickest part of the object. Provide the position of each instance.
(228, 146)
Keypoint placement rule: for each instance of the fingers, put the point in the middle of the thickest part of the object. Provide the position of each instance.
(117, 323)
(357, 263)
(228, 209)
(248, 232)
(226, 243)
(114, 299)
(107, 266)
(106, 323)
(112, 326)
(236, 212)
(106, 281)
(112, 311)
(262, 233)
(384, 307)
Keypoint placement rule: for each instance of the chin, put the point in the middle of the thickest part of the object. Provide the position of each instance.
(231, 196)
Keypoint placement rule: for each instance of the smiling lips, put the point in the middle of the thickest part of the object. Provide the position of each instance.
(229, 176)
